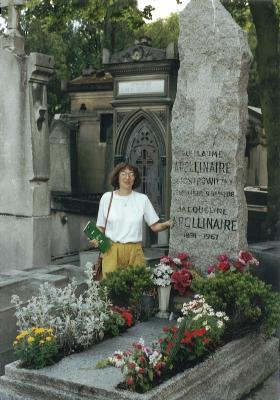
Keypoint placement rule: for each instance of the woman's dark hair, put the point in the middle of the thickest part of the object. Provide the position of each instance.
(114, 179)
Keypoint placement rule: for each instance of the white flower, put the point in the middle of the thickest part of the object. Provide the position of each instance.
(219, 314)
(162, 275)
(177, 261)
(220, 324)
(197, 316)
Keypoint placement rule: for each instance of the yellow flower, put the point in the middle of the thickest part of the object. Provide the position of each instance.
(33, 328)
(50, 330)
(49, 338)
(30, 339)
(23, 333)
(42, 342)
(15, 343)
(39, 331)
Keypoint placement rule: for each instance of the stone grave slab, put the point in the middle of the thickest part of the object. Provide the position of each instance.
(231, 372)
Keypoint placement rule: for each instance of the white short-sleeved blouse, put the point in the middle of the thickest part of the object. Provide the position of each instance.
(126, 216)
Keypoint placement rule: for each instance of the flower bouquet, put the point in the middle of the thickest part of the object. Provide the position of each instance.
(241, 263)
(162, 279)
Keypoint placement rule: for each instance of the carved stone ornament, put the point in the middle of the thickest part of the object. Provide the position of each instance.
(138, 53)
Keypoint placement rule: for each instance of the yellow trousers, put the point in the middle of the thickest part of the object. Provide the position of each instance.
(122, 255)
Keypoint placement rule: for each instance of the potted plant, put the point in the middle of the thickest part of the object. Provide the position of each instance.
(127, 285)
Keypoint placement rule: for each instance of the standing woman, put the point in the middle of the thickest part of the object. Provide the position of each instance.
(124, 225)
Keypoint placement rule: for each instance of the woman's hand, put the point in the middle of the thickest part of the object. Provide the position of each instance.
(94, 243)
(168, 223)
(161, 226)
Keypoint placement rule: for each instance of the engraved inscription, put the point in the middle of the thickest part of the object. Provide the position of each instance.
(203, 177)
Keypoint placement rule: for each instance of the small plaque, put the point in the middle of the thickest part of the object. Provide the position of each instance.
(150, 86)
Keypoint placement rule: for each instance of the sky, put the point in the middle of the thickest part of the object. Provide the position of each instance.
(162, 7)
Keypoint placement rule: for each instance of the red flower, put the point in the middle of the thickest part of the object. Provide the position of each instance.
(181, 280)
(174, 329)
(130, 381)
(239, 266)
(210, 269)
(187, 337)
(205, 340)
(223, 266)
(142, 359)
(132, 365)
(165, 329)
(183, 256)
(223, 257)
(186, 264)
(199, 332)
(169, 347)
(127, 316)
(141, 371)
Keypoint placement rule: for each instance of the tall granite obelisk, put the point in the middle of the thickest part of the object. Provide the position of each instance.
(209, 123)
(24, 150)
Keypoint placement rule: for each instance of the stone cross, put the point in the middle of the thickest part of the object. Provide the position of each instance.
(13, 13)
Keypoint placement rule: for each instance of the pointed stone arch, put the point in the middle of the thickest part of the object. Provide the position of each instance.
(140, 139)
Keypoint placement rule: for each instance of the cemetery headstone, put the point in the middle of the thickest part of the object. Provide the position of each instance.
(209, 122)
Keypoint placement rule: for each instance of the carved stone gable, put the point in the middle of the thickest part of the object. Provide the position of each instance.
(138, 53)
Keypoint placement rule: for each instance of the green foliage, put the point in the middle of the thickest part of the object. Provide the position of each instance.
(114, 325)
(36, 347)
(162, 31)
(75, 32)
(246, 299)
(126, 285)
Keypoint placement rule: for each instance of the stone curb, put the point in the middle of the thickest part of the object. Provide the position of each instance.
(231, 372)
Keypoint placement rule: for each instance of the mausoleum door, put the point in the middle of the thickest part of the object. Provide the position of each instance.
(144, 150)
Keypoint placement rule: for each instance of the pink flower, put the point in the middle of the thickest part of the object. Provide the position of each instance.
(247, 258)
(166, 259)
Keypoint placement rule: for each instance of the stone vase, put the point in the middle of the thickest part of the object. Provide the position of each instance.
(163, 301)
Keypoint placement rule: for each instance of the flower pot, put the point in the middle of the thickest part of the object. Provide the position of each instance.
(147, 303)
(163, 301)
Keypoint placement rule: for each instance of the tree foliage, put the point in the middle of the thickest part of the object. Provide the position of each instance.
(162, 31)
(75, 32)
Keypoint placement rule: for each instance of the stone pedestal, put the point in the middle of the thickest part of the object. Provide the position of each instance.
(24, 157)
(209, 123)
